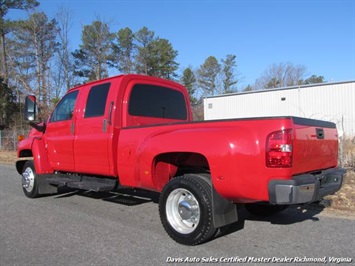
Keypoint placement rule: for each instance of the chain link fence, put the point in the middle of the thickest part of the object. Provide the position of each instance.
(9, 138)
(347, 152)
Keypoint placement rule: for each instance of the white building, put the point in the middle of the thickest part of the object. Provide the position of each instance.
(333, 102)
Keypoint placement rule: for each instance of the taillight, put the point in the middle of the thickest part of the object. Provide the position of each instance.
(279, 149)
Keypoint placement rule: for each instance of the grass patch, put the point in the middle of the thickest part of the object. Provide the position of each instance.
(344, 199)
(347, 152)
(8, 157)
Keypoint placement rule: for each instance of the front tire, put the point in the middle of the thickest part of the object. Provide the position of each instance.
(29, 180)
(185, 209)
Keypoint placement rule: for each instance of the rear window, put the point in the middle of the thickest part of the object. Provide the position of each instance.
(155, 101)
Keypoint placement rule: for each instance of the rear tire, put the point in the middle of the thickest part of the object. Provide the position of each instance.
(185, 208)
(264, 209)
(29, 180)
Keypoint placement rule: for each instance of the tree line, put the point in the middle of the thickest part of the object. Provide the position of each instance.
(36, 58)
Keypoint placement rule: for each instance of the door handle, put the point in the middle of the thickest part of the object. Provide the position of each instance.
(104, 125)
(320, 133)
(72, 127)
(110, 113)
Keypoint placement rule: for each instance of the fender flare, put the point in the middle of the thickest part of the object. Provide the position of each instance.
(40, 157)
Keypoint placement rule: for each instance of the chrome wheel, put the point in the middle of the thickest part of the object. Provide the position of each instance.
(185, 209)
(182, 211)
(28, 179)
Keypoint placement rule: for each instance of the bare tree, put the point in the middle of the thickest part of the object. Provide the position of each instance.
(63, 76)
(32, 46)
(281, 75)
(5, 25)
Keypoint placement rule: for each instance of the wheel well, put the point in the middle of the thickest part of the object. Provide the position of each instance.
(169, 165)
(25, 153)
(19, 166)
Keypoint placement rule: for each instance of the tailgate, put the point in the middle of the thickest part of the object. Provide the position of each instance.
(315, 145)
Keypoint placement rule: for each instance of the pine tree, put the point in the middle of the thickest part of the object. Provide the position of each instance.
(229, 76)
(125, 50)
(144, 39)
(92, 58)
(314, 79)
(188, 79)
(207, 76)
(161, 60)
(8, 104)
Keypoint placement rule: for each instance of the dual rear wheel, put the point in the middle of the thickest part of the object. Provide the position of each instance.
(185, 209)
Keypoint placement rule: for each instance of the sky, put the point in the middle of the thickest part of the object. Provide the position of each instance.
(319, 34)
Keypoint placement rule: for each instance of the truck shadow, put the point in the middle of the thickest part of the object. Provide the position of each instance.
(134, 197)
(292, 215)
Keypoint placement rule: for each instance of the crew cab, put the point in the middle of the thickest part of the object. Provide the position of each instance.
(135, 131)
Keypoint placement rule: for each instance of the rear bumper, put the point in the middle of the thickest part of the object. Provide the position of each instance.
(306, 188)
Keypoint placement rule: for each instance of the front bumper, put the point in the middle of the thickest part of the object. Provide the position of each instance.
(306, 188)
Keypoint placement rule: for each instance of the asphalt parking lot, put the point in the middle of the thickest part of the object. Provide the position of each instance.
(77, 228)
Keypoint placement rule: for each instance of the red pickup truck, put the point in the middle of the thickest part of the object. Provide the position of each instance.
(136, 131)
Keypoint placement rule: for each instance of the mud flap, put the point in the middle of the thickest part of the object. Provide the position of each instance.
(44, 187)
(224, 211)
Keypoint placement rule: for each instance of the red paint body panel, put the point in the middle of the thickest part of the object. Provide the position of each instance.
(60, 141)
(311, 153)
(41, 161)
(145, 152)
(35, 146)
(92, 135)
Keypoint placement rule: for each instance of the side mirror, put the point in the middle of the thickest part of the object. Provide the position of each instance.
(30, 113)
(30, 108)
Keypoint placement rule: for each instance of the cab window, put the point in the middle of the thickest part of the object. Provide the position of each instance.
(96, 103)
(156, 101)
(65, 108)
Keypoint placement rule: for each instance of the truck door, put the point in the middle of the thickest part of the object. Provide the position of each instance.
(92, 131)
(60, 133)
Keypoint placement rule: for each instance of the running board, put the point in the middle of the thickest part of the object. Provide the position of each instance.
(89, 183)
